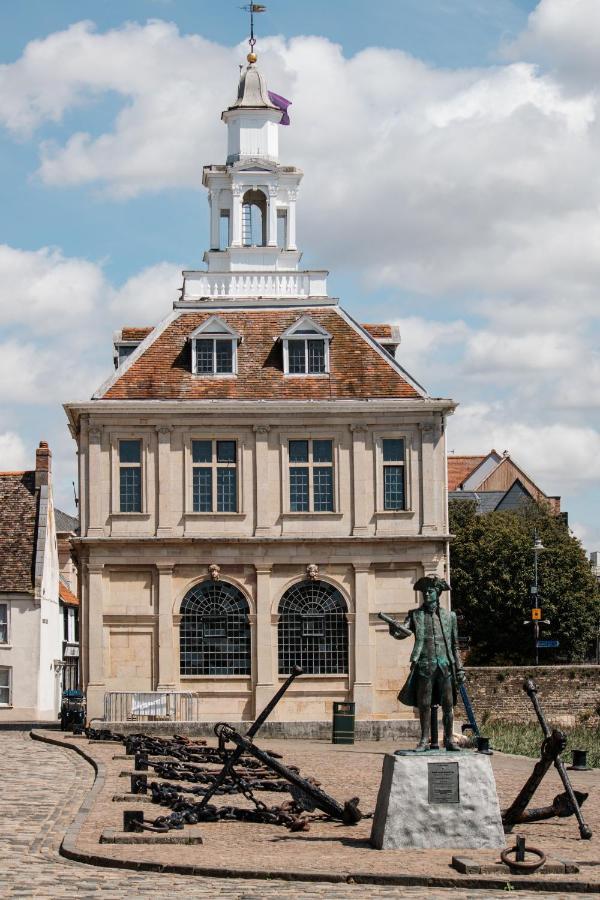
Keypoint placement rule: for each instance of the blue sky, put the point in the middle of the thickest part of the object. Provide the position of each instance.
(449, 150)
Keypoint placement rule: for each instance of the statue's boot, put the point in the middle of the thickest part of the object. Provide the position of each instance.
(449, 742)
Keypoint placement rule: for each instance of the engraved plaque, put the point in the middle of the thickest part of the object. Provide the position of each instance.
(442, 780)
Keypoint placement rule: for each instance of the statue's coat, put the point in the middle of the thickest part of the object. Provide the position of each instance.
(416, 622)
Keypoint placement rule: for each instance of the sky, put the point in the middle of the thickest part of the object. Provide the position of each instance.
(450, 151)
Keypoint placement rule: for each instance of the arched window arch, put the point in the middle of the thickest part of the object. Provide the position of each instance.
(254, 219)
(214, 634)
(313, 629)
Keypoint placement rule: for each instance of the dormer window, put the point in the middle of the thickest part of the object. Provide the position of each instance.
(214, 348)
(306, 348)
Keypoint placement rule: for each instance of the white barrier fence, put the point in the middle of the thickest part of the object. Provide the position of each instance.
(151, 706)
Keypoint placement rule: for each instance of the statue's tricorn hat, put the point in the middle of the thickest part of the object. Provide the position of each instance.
(427, 581)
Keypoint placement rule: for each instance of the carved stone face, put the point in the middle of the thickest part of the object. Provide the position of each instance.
(215, 572)
(312, 571)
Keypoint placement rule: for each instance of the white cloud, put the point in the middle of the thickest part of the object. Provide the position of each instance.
(13, 455)
(46, 291)
(565, 36)
(147, 297)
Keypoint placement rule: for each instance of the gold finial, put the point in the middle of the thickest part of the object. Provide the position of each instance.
(252, 57)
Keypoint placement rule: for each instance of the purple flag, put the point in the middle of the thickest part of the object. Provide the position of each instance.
(282, 104)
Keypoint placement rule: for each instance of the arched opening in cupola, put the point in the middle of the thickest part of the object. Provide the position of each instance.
(254, 219)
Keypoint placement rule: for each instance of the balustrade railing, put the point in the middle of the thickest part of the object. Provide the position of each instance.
(149, 706)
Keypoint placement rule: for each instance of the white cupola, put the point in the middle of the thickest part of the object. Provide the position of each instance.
(252, 199)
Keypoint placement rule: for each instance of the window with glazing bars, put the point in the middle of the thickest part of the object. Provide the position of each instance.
(306, 356)
(313, 630)
(214, 635)
(214, 476)
(394, 494)
(214, 356)
(311, 475)
(5, 686)
(130, 476)
(3, 623)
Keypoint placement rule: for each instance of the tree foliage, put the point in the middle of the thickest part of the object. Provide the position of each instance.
(491, 564)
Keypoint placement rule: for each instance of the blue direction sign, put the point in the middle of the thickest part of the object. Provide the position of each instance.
(547, 644)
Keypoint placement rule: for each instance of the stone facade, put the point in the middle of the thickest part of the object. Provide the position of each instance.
(139, 569)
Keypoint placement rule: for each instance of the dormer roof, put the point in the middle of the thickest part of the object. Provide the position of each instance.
(215, 326)
(305, 327)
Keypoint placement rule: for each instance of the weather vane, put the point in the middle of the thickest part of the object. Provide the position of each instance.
(253, 8)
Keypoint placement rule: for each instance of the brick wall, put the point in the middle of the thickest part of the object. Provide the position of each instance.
(565, 692)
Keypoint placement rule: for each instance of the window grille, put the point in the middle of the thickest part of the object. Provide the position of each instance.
(311, 475)
(313, 630)
(306, 357)
(214, 636)
(393, 474)
(130, 476)
(214, 476)
(214, 356)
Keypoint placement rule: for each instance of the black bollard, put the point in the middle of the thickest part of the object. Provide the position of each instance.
(483, 746)
(129, 747)
(434, 743)
(141, 762)
(132, 818)
(520, 848)
(139, 784)
(579, 761)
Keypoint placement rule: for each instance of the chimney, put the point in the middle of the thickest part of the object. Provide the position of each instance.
(43, 464)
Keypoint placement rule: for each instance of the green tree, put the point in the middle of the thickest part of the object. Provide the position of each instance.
(491, 565)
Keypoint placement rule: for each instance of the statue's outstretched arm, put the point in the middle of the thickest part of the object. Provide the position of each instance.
(397, 630)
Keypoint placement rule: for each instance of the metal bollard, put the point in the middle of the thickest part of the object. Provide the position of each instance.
(579, 763)
(520, 848)
(139, 784)
(141, 762)
(129, 747)
(132, 818)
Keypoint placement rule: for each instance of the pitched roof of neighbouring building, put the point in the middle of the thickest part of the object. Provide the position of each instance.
(65, 522)
(460, 467)
(66, 595)
(358, 369)
(135, 334)
(18, 514)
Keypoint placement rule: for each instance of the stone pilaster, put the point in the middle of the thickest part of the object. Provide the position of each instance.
(236, 215)
(363, 678)
(95, 523)
(261, 465)
(360, 471)
(166, 656)
(214, 200)
(265, 674)
(272, 213)
(291, 229)
(163, 524)
(95, 641)
(428, 525)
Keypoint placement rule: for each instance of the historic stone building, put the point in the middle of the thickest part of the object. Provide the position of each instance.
(259, 476)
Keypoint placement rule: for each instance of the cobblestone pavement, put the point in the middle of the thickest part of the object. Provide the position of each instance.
(42, 787)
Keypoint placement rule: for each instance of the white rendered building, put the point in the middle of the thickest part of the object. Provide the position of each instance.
(259, 476)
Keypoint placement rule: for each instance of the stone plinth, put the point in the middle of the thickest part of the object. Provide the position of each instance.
(433, 800)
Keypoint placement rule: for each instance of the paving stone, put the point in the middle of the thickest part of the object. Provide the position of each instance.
(45, 786)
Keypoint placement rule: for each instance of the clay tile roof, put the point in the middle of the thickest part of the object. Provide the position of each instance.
(67, 596)
(379, 332)
(460, 467)
(18, 511)
(163, 371)
(135, 334)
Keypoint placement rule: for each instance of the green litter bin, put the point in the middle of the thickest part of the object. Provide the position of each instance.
(343, 723)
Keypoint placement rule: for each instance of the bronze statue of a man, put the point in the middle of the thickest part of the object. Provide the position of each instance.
(435, 666)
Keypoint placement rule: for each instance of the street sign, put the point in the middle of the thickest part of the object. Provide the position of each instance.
(547, 644)
(536, 613)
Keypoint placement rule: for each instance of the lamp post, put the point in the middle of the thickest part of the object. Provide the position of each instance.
(537, 548)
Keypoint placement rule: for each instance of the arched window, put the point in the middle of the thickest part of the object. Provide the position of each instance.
(214, 635)
(313, 631)
(254, 219)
